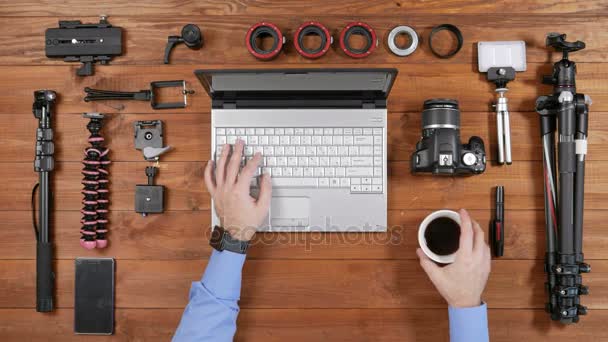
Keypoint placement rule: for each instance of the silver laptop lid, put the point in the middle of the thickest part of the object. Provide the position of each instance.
(298, 88)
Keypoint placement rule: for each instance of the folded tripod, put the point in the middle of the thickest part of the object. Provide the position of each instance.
(566, 112)
(44, 164)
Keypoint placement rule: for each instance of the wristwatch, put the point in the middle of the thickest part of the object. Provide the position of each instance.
(222, 241)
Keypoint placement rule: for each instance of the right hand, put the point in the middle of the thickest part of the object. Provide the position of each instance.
(462, 282)
(239, 213)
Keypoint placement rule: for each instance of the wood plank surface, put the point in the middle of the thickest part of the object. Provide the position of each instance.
(190, 134)
(294, 7)
(146, 37)
(270, 325)
(185, 189)
(296, 287)
(318, 284)
(412, 87)
(185, 235)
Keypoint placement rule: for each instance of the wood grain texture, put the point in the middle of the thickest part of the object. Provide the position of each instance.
(296, 287)
(146, 37)
(185, 189)
(318, 284)
(190, 134)
(412, 87)
(295, 7)
(270, 325)
(179, 235)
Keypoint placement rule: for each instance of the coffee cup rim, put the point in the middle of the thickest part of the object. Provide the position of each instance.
(444, 259)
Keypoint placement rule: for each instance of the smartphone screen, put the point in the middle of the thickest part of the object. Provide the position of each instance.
(94, 296)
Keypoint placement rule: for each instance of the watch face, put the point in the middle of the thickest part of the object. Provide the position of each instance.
(216, 238)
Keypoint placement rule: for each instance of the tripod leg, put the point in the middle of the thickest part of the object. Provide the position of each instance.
(566, 167)
(548, 145)
(507, 137)
(579, 187)
(500, 136)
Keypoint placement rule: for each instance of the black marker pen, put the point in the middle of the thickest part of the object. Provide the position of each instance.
(499, 224)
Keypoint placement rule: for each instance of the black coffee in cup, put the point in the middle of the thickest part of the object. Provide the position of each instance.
(442, 236)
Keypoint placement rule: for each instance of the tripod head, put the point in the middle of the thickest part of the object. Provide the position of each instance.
(559, 43)
(43, 100)
(564, 71)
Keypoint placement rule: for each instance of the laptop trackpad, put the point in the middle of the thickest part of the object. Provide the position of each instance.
(290, 211)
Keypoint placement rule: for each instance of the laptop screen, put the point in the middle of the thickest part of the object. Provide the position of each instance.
(297, 87)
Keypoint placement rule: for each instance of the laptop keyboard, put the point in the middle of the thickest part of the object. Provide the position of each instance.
(321, 157)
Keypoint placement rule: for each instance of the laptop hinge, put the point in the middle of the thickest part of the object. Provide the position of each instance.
(372, 104)
(224, 104)
(368, 105)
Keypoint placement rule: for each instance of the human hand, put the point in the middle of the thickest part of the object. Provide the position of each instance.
(462, 282)
(239, 213)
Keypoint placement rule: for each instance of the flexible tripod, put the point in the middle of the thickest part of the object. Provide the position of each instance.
(95, 187)
(43, 164)
(567, 112)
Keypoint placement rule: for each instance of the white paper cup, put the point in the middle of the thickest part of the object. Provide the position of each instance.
(444, 259)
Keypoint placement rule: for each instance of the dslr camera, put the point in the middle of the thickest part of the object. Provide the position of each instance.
(439, 151)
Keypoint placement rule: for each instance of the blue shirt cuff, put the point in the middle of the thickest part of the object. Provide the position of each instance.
(223, 274)
(469, 324)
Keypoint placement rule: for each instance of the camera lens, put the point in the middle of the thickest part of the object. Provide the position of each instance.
(440, 113)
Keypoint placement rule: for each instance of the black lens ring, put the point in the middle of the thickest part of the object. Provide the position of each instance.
(260, 31)
(455, 31)
(312, 30)
(362, 31)
(440, 103)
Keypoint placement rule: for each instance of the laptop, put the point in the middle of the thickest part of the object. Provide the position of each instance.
(322, 134)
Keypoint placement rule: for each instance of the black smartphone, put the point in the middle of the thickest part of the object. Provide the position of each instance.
(94, 296)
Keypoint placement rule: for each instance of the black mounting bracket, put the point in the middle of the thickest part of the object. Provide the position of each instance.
(85, 43)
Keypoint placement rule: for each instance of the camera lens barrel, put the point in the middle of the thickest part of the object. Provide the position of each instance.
(441, 113)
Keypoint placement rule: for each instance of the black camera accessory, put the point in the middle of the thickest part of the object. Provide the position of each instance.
(149, 139)
(85, 43)
(142, 95)
(94, 296)
(453, 29)
(222, 241)
(566, 112)
(44, 163)
(498, 224)
(149, 198)
(360, 29)
(439, 151)
(95, 187)
(405, 51)
(191, 36)
(260, 31)
(309, 29)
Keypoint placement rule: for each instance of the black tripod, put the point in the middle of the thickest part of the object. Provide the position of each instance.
(44, 164)
(567, 112)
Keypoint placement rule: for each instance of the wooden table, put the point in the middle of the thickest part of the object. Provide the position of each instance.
(308, 287)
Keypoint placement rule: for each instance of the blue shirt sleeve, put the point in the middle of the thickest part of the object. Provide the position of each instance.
(469, 324)
(213, 305)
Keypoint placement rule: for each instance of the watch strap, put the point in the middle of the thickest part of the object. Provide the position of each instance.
(222, 241)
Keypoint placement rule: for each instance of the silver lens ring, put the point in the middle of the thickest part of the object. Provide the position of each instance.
(435, 126)
(402, 30)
